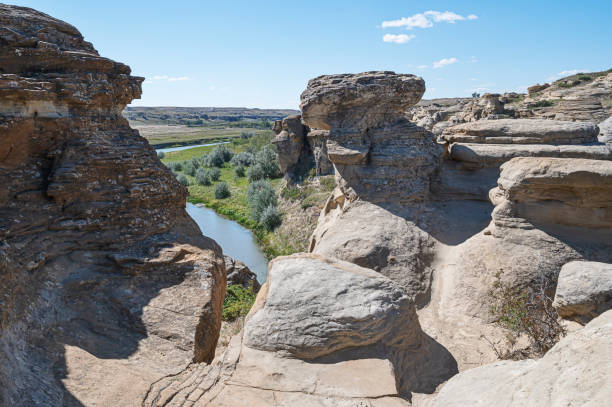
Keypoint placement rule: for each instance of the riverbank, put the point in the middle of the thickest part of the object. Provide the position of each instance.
(299, 205)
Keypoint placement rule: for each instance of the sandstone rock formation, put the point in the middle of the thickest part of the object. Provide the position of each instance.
(477, 149)
(573, 373)
(364, 115)
(300, 149)
(239, 274)
(584, 290)
(321, 332)
(605, 131)
(106, 284)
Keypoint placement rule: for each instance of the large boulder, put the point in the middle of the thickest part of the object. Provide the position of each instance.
(294, 153)
(575, 372)
(321, 332)
(106, 284)
(584, 290)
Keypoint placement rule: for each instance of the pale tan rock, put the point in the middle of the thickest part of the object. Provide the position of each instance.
(575, 372)
(584, 290)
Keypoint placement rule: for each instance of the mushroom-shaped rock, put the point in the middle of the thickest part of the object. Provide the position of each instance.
(359, 100)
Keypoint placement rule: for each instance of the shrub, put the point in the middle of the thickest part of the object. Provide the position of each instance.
(270, 218)
(196, 162)
(175, 166)
(220, 154)
(267, 159)
(529, 312)
(183, 179)
(214, 173)
(222, 190)
(255, 173)
(244, 159)
(260, 195)
(189, 168)
(246, 134)
(238, 301)
(161, 155)
(203, 177)
(240, 171)
(542, 103)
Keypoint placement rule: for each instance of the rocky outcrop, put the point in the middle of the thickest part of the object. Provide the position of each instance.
(605, 131)
(300, 149)
(322, 332)
(363, 113)
(575, 372)
(476, 150)
(106, 284)
(239, 274)
(584, 290)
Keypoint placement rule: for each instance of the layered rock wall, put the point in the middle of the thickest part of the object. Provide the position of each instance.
(96, 248)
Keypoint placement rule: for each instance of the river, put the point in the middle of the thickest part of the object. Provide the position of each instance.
(171, 149)
(235, 240)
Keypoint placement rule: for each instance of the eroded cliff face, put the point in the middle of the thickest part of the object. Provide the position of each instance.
(105, 283)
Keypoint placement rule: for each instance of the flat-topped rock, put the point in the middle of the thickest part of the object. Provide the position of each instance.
(584, 290)
(494, 155)
(521, 131)
(359, 100)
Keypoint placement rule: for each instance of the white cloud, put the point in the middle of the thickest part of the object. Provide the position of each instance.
(427, 19)
(473, 79)
(473, 59)
(398, 39)
(567, 72)
(444, 62)
(422, 67)
(169, 78)
(447, 16)
(417, 20)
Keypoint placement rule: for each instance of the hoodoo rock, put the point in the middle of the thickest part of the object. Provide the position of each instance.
(106, 285)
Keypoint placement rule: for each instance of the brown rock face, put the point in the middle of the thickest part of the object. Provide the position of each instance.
(106, 284)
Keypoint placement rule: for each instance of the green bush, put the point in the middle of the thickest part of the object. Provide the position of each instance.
(238, 302)
(260, 195)
(240, 171)
(183, 179)
(270, 218)
(189, 168)
(196, 163)
(175, 166)
(542, 103)
(220, 154)
(214, 173)
(244, 159)
(255, 173)
(203, 177)
(222, 190)
(161, 155)
(267, 159)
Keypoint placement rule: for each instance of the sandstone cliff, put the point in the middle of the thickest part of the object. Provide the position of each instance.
(106, 284)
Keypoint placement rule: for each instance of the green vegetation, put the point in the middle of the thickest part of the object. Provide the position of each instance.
(222, 190)
(529, 312)
(260, 195)
(238, 302)
(542, 103)
(183, 179)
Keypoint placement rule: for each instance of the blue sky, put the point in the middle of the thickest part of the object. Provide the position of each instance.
(262, 53)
